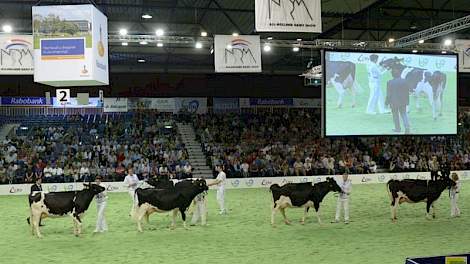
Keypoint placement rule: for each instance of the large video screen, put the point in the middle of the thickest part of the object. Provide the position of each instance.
(374, 93)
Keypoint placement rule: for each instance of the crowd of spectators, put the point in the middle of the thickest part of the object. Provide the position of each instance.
(288, 143)
(78, 151)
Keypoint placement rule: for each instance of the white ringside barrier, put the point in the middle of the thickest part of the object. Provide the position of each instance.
(236, 183)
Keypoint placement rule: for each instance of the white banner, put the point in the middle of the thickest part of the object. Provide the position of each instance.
(237, 54)
(238, 183)
(307, 103)
(70, 45)
(191, 104)
(16, 54)
(114, 105)
(161, 104)
(288, 15)
(463, 47)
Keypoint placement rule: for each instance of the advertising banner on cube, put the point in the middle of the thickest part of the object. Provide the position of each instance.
(288, 15)
(16, 54)
(463, 47)
(237, 54)
(115, 105)
(70, 45)
(196, 105)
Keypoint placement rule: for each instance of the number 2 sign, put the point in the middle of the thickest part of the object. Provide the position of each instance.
(63, 96)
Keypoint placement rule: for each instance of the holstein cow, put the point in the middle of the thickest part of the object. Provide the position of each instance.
(431, 83)
(414, 191)
(342, 75)
(161, 183)
(58, 204)
(303, 195)
(164, 200)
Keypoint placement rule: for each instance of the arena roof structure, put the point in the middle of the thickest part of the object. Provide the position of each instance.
(368, 21)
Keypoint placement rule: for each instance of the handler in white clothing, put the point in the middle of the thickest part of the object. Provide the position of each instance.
(131, 181)
(220, 182)
(454, 196)
(101, 201)
(343, 199)
(376, 97)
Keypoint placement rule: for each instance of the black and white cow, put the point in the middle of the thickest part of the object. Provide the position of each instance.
(176, 199)
(161, 183)
(342, 75)
(431, 83)
(414, 191)
(58, 204)
(303, 195)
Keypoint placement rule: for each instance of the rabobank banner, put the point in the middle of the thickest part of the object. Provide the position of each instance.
(224, 105)
(196, 105)
(70, 45)
(93, 102)
(271, 101)
(31, 101)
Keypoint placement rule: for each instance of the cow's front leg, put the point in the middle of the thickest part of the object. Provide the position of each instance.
(302, 221)
(428, 207)
(183, 216)
(433, 211)
(317, 209)
(283, 212)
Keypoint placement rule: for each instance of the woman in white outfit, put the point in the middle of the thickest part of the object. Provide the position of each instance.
(200, 207)
(376, 98)
(101, 201)
(454, 196)
(343, 199)
(220, 182)
(131, 181)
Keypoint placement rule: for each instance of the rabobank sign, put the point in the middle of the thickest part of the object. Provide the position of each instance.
(23, 101)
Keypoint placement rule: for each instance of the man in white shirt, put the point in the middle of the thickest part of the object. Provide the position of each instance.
(343, 199)
(220, 181)
(187, 170)
(48, 173)
(131, 181)
(101, 201)
(376, 97)
(84, 171)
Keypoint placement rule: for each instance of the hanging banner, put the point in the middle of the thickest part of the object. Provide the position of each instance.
(70, 45)
(16, 54)
(288, 15)
(463, 47)
(196, 105)
(237, 54)
(115, 105)
(93, 102)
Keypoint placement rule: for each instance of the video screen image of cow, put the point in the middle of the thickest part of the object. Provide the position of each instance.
(374, 93)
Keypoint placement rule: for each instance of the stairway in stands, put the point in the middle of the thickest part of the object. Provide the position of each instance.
(196, 156)
(6, 129)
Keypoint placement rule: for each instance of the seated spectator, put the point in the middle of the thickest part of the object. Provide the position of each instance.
(187, 170)
(48, 173)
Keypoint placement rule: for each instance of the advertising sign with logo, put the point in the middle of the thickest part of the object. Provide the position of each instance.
(70, 45)
(271, 101)
(93, 102)
(161, 104)
(237, 54)
(463, 47)
(224, 105)
(16, 54)
(288, 15)
(307, 102)
(192, 104)
(23, 101)
(114, 105)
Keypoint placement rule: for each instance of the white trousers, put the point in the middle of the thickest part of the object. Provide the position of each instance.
(134, 201)
(454, 208)
(375, 98)
(101, 225)
(221, 200)
(342, 204)
(200, 211)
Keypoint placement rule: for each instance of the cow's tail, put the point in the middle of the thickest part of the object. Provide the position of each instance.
(276, 192)
(389, 190)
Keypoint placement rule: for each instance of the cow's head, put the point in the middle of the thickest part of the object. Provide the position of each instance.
(392, 63)
(333, 185)
(201, 185)
(95, 188)
(449, 183)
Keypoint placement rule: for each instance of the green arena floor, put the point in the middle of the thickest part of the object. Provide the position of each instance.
(244, 235)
